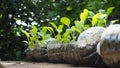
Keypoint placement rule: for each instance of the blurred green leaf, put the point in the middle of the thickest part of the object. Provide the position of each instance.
(53, 24)
(109, 10)
(60, 28)
(65, 21)
(95, 18)
(66, 36)
(69, 8)
(44, 29)
(27, 34)
(84, 15)
(87, 26)
(91, 14)
(1, 16)
(34, 28)
(78, 24)
(76, 29)
(50, 29)
(113, 22)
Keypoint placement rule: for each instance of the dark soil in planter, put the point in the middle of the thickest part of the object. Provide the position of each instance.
(54, 52)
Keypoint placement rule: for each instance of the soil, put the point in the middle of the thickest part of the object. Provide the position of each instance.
(23, 64)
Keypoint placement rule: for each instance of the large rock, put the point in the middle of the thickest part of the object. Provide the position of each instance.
(109, 46)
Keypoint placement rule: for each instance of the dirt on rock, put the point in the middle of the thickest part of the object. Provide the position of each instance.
(23, 64)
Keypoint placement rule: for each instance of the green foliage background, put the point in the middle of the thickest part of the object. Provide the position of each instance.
(41, 12)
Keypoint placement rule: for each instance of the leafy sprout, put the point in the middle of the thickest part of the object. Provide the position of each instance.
(35, 37)
(65, 21)
(69, 33)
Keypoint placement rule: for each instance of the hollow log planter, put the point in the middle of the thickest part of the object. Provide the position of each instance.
(109, 46)
(81, 53)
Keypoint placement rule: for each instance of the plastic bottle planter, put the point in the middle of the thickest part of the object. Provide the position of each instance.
(37, 54)
(63, 53)
(109, 46)
(83, 53)
(87, 43)
(54, 52)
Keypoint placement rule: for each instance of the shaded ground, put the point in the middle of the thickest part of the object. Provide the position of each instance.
(21, 64)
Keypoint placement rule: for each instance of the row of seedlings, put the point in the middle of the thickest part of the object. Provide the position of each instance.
(64, 48)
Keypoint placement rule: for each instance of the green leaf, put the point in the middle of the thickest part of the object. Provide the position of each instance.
(109, 10)
(86, 26)
(84, 15)
(53, 24)
(1, 30)
(1, 16)
(95, 18)
(66, 34)
(78, 24)
(34, 29)
(91, 14)
(69, 8)
(76, 29)
(65, 21)
(58, 37)
(50, 29)
(44, 29)
(27, 34)
(113, 21)
(60, 28)
(101, 11)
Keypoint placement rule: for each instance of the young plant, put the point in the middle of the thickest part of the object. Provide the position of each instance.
(35, 38)
(32, 37)
(59, 30)
(100, 18)
(65, 37)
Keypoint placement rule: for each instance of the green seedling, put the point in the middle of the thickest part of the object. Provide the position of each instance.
(100, 18)
(35, 37)
(59, 30)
